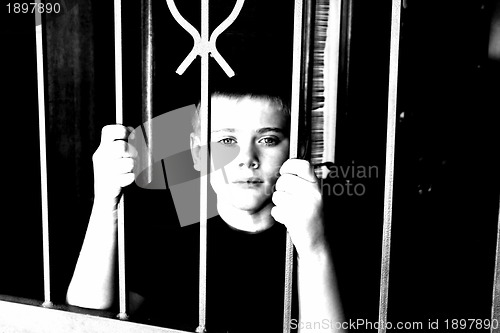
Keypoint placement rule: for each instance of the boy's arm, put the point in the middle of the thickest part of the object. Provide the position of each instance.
(299, 207)
(319, 302)
(92, 284)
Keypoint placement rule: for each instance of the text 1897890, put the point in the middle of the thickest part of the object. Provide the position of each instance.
(33, 7)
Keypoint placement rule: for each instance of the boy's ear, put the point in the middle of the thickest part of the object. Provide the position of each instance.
(195, 151)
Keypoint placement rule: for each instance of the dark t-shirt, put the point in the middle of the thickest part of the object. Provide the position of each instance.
(245, 278)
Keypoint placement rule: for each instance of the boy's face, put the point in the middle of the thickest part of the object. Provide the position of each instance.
(256, 132)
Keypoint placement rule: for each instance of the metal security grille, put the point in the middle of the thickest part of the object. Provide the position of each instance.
(51, 318)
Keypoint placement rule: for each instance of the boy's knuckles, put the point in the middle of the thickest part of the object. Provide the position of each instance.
(277, 198)
(294, 184)
(110, 133)
(277, 214)
(125, 179)
(124, 165)
(118, 147)
(287, 200)
(286, 182)
(132, 152)
(296, 166)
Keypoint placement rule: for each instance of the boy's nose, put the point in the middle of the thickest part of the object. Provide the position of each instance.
(248, 158)
(251, 165)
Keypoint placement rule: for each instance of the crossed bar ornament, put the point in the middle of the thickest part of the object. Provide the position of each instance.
(202, 44)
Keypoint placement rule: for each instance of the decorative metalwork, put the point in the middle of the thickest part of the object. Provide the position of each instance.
(203, 45)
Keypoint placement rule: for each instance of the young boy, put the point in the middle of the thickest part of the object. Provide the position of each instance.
(262, 195)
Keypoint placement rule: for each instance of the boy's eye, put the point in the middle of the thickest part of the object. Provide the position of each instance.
(269, 141)
(227, 141)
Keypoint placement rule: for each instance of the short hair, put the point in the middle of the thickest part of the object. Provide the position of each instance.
(262, 62)
(278, 102)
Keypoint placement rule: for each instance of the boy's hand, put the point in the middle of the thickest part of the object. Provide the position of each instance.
(114, 162)
(299, 206)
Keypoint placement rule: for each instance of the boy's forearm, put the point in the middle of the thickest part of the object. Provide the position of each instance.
(319, 301)
(92, 285)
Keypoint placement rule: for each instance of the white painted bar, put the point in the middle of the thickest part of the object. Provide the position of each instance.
(331, 72)
(43, 156)
(495, 306)
(389, 162)
(119, 120)
(147, 94)
(204, 136)
(294, 148)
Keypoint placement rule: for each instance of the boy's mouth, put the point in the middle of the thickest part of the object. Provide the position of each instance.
(249, 181)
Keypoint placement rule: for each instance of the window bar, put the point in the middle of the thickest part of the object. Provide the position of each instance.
(119, 120)
(203, 45)
(294, 131)
(389, 162)
(147, 92)
(495, 307)
(331, 81)
(204, 136)
(43, 157)
(306, 71)
(325, 79)
(345, 48)
(147, 86)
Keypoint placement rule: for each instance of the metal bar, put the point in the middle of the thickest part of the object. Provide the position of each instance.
(306, 68)
(294, 149)
(331, 72)
(118, 61)
(345, 61)
(204, 136)
(219, 30)
(389, 162)
(287, 314)
(43, 157)
(119, 120)
(295, 102)
(147, 90)
(495, 306)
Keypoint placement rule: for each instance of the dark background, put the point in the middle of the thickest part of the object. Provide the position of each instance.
(446, 170)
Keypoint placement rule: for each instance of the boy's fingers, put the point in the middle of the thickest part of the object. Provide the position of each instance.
(120, 148)
(124, 165)
(110, 133)
(279, 214)
(293, 184)
(129, 149)
(131, 131)
(300, 168)
(280, 198)
(126, 179)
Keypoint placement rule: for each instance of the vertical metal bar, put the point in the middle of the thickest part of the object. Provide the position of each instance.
(287, 314)
(119, 120)
(345, 63)
(147, 86)
(294, 148)
(43, 156)
(389, 162)
(306, 68)
(295, 102)
(331, 72)
(204, 136)
(495, 306)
